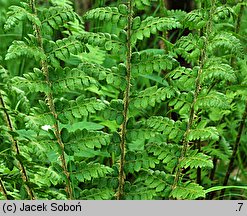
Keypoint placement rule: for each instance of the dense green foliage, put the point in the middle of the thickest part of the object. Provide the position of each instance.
(123, 102)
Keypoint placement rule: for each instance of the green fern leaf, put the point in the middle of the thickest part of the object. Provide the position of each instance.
(226, 41)
(68, 110)
(107, 41)
(141, 4)
(33, 82)
(182, 103)
(137, 192)
(194, 159)
(189, 47)
(223, 13)
(137, 161)
(70, 79)
(195, 19)
(115, 111)
(108, 14)
(150, 96)
(55, 18)
(3, 75)
(183, 78)
(62, 3)
(212, 100)
(17, 14)
(148, 61)
(151, 25)
(188, 190)
(178, 14)
(82, 138)
(215, 70)
(83, 171)
(153, 126)
(203, 134)
(156, 180)
(53, 176)
(168, 154)
(63, 49)
(222, 151)
(96, 194)
(114, 76)
(20, 48)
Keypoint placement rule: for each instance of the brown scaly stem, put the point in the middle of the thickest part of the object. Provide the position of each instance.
(120, 191)
(197, 91)
(15, 146)
(51, 105)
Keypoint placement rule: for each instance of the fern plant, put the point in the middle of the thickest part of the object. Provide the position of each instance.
(102, 106)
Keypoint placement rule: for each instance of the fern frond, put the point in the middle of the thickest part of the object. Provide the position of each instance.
(193, 159)
(148, 61)
(182, 103)
(210, 150)
(115, 111)
(82, 138)
(54, 18)
(141, 4)
(223, 13)
(215, 70)
(212, 100)
(158, 180)
(20, 48)
(15, 101)
(116, 15)
(222, 151)
(195, 19)
(38, 148)
(17, 14)
(140, 192)
(183, 78)
(178, 14)
(139, 161)
(110, 182)
(150, 96)
(168, 154)
(67, 79)
(189, 47)
(203, 134)
(114, 76)
(226, 41)
(38, 117)
(62, 3)
(63, 49)
(33, 82)
(68, 110)
(84, 171)
(151, 25)
(107, 41)
(51, 193)
(153, 126)
(52, 177)
(188, 190)
(3, 75)
(97, 194)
